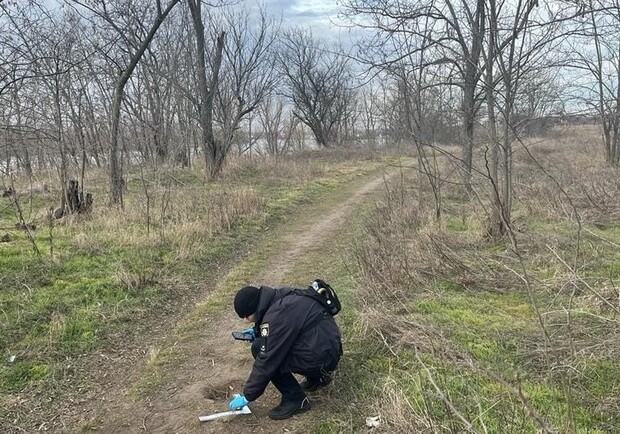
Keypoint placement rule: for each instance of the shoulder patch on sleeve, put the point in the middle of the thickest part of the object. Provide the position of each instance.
(264, 330)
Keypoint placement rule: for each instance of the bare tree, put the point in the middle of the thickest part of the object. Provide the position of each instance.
(520, 44)
(138, 38)
(207, 87)
(248, 75)
(370, 113)
(319, 84)
(271, 114)
(597, 53)
(450, 32)
(171, 65)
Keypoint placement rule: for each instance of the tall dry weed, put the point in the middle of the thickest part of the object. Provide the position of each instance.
(402, 255)
(569, 167)
(383, 257)
(185, 217)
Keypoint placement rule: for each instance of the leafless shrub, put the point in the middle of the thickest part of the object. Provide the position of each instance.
(397, 255)
(383, 262)
(397, 333)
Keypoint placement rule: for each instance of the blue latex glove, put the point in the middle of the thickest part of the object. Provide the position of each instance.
(249, 331)
(238, 402)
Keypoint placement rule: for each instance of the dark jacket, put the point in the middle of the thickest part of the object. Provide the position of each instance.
(294, 335)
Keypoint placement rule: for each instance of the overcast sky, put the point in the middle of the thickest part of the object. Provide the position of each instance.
(321, 16)
(306, 11)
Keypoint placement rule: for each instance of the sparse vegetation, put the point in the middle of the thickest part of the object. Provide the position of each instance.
(446, 329)
(460, 333)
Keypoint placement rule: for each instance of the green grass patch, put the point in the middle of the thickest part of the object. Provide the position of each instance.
(456, 224)
(601, 378)
(610, 232)
(548, 226)
(479, 309)
(19, 375)
(611, 270)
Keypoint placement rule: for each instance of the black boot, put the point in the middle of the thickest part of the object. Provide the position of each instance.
(311, 384)
(287, 409)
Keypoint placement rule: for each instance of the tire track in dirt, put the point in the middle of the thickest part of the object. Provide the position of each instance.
(217, 366)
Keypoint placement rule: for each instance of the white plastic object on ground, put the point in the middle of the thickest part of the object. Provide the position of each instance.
(243, 410)
(373, 421)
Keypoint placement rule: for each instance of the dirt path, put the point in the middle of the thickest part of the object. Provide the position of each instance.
(217, 366)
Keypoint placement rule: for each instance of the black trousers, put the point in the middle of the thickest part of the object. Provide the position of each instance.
(285, 382)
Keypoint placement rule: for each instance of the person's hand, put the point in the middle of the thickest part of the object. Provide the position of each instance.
(237, 402)
(249, 331)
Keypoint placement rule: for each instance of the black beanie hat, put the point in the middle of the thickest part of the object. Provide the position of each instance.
(246, 301)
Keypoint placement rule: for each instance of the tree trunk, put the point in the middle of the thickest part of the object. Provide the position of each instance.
(470, 80)
(116, 172)
(598, 72)
(211, 148)
(496, 228)
(21, 153)
(61, 141)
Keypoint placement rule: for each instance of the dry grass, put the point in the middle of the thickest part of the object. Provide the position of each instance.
(576, 171)
(399, 412)
(430, 285)
(299, 167)
(185, 218)
(275, 170)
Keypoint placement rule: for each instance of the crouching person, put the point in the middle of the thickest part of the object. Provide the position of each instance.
(293, 335)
